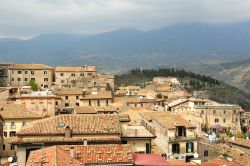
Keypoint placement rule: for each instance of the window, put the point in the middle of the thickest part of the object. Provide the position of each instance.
(62, 74)
(46, 86)
(77, 104)
(236, 119)
(12, 79)
(56, 102)
(12, 147)
(46, 79)
(25, 72)
(77, 97)
(82, 74)
(205, 153)
(176, 148)
(224, 112)
(26, 79)
(189, 147)
(73, 74)
(32, 72)
(13, 125)
(235, 111)
(18, 79)
(12, 71)
(202, 111)
(214, 111)
(45, 72)
(33, 79)
(24, 123)
(216, 120)
(66, 104)
(5, 134)
(66, 97)
(3, 146)
(62, 81)
(19, 72)
(89, 102)
(98, 102)
(224, 120)
(12, 134)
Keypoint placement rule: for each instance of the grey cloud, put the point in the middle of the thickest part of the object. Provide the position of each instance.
(33, 17)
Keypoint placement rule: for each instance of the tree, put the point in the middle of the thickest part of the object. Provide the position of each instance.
(33, 85)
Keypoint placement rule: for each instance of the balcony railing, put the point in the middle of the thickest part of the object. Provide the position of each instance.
(182, 138)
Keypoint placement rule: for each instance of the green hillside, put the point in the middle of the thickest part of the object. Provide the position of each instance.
(217, 90)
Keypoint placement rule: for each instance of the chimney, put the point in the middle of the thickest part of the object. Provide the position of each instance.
(72, 152)
(67, 132)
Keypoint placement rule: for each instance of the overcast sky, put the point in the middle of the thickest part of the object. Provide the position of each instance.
(26, 18)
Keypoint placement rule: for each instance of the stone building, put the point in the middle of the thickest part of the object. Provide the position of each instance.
(225, 115)
(175, 135)
(69, 75)
(15, 118)
(102, 98)
(21, 74)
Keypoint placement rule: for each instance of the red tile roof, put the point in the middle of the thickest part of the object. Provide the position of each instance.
(150, 159)
(82, 155)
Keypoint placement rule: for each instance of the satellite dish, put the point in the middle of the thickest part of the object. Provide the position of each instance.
(196, 155)
(10, 159)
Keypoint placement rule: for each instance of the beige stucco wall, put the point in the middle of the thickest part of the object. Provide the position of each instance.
(103, 102)
(42, 104)
(7, 128)
(138, 145)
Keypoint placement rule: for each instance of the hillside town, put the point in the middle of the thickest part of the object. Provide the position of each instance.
(76, 115)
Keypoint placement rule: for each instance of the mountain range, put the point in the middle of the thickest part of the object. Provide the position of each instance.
(121, 49)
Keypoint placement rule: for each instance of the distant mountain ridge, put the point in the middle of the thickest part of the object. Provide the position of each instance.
(127, 48)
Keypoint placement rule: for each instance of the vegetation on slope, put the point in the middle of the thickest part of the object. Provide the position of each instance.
(217, 90)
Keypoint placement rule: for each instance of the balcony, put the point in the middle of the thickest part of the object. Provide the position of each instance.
(182, 138)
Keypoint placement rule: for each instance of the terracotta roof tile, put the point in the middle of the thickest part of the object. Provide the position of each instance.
(80, 124)
(14, 111)
(241, 142)
(30, 67)
(167, 119)
(70, 91)
(85, 110)
(74, 68)
(91, 154)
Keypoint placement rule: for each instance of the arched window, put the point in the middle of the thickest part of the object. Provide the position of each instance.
(189, 147)
(176, 148)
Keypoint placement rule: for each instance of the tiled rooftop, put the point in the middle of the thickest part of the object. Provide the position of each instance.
(68, 155)
(74, 68)
(85, 110)
(70, 91)
(30, 67)
(14, 111)
(241, 142)
(79, 124)
(167, 119)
